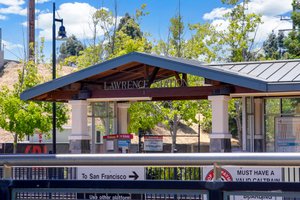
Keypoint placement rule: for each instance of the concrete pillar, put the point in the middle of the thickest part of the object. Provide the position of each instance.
(220, 139)
(79, 139)
(258, 120)
(123, 118)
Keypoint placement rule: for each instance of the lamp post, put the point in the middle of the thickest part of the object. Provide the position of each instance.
(61, 35)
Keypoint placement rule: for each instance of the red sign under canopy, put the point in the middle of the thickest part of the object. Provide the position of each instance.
(118, 136)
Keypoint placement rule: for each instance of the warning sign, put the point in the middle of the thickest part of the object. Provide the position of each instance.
(225, 175)
(247, 174)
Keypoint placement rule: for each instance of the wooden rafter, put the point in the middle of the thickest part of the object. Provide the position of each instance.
(178, 79)
(152, 76)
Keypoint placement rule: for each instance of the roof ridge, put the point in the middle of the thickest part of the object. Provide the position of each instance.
(254, 62)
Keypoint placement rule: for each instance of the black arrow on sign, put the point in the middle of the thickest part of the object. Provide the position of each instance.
(135, 176)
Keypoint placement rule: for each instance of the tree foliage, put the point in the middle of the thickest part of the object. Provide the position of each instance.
(272, 47)
(71, 47)
(24, 118)
(130, 27)
(292, 41)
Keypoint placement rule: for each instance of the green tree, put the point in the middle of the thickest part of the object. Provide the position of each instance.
(71, 47)
(129, 37)
(292, 41)
(174, 46)
(129, 26)
(200, 44)
(23, 118)
(271, 46)
(107, 24)
(176, 29)
(88, 57)
(124, 44)
(237, 37)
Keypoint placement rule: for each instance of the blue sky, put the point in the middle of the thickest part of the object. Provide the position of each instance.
(76, 15)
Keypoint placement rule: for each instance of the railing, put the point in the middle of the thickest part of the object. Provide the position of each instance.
(178, 159)
(147, 189)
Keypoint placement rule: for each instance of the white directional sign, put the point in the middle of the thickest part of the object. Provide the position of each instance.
(111, 173)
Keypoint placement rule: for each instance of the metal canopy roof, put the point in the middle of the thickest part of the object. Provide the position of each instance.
(265, 76)
(282, 75)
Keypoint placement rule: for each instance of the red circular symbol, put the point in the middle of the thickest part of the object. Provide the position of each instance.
(225, 175)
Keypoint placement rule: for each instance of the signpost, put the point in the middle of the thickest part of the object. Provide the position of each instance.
(111, 173)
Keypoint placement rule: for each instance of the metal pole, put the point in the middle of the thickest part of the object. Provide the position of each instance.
(53, 77)
(199, 129)
(31, 29)
(93, 128)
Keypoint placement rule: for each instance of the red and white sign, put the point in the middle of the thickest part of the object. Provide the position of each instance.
(118, 136)
(153, 143)
(225, 175)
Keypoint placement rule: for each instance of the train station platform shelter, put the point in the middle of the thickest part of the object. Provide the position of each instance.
(269, 92)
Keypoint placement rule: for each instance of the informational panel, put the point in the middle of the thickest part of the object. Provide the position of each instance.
(111, 173)
(287, 134)
(123, 146)
(153, 143)
(247, 174)
(109, 145)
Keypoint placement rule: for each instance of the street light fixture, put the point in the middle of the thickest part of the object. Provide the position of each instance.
(61, 35)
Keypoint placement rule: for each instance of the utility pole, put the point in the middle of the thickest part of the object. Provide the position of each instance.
(31, 29)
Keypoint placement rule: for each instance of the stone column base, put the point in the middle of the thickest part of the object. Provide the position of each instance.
(220, 142)
(220, 145)
(79, 145)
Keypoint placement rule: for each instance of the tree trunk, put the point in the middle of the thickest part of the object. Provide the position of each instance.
(174, 128)
(15, 143)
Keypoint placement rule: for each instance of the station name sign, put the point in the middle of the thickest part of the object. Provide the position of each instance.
(141, 84)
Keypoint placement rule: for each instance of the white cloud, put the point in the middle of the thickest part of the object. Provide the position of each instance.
(77, 20)
(270, 7)
(15, 9)
(42, 1)
(216, 13)
(270, 11)
(12, 2)
(11, 46)
(262, 7)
